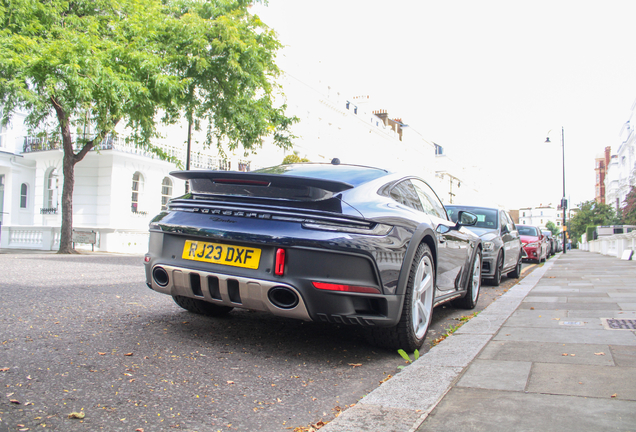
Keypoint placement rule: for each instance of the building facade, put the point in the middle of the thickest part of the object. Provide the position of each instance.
(600, 167)
(541, 215)
(621, 170)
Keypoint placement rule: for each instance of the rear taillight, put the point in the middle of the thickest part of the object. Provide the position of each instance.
(345, 288)
(279, 265)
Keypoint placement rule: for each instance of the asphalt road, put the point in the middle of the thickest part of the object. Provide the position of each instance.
(83, 334)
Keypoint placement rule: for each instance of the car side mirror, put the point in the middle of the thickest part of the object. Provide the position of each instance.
(505, 229)
(465, 218)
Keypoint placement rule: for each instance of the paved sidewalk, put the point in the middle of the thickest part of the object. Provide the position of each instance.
(542, 357)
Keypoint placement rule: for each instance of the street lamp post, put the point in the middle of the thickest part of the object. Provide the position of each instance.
(564, 201)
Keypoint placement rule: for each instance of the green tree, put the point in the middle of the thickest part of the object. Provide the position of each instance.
(293, 158)
(628, 211)
(68, 63)
(225, 58)
(552, 227)
(591, 213)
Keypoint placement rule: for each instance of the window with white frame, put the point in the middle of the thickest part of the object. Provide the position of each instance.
(52, 183)
(23, 195)
(137, 190)
(166, 192)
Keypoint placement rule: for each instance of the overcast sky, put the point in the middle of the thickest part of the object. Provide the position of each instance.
(487, 80)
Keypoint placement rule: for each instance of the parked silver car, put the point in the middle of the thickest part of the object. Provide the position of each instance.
(552, 242)
(502, 251)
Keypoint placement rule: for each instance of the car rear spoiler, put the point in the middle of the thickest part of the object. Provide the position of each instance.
(200, 178)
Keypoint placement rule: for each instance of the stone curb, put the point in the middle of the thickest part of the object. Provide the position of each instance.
(403, 402)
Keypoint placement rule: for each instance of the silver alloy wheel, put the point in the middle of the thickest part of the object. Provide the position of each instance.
(476, 281)
(422, 298)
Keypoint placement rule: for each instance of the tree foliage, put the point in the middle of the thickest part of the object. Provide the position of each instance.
(591, 213)
(628, 211)
(552, 228)
(293, 158)
(69, 64)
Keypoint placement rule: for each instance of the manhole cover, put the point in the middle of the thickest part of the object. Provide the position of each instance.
(619, 324)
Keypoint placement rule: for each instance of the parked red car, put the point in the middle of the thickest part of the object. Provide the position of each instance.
(533, 242)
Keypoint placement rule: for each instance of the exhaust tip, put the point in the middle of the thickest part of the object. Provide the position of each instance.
(283, 297)
(160, 276)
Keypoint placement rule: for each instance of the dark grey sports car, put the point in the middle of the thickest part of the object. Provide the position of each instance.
(325, 242)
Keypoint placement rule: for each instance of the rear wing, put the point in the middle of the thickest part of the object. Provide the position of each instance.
(259, 185)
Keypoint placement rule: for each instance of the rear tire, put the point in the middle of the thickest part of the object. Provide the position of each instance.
(469, 301)
(417, 310)
(201, 307)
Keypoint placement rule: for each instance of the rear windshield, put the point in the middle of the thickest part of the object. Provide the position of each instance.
(355, 175)
(527, 230)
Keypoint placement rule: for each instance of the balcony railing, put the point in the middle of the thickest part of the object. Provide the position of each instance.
(198, 160)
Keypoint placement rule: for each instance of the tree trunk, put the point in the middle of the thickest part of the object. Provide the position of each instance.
(69, 161)
(66, 233)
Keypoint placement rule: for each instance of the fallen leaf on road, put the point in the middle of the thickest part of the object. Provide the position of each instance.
(14, 401)
(531, 308)
(614, 395)
(76, 415)
(601, 353)
(4, 369)
(388, 377)
(139, 430)
(230, 382)
(355, 364)
(557, 319)
(101, 353)
(564, 354)
(128, 354)
(572, 355)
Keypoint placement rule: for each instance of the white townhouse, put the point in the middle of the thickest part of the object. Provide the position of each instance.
(621, 171)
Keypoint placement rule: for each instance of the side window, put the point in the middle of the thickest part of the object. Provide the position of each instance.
(513, 227)
(166, 192)
(23, 195)
(429, 200)
(50, 197)
(137, 189)
(503, 221)
(405, 194)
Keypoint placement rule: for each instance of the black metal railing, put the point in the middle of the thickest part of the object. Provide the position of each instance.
(49, 211)
(36, 143)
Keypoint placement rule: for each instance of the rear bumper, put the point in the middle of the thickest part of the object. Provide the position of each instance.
(252, 288)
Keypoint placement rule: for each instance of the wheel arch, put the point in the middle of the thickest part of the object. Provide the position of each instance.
(423, 234)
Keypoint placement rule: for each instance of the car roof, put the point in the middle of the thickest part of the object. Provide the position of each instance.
(355, 175)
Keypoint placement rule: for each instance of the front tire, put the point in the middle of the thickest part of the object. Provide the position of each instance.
(496, 280)
(469, 301)
(201, 307)
(417, 310)
(516, 273)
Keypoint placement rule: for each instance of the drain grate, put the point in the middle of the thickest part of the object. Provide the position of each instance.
(619, 324)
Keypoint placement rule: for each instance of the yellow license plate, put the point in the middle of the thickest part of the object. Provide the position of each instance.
(236, 256)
